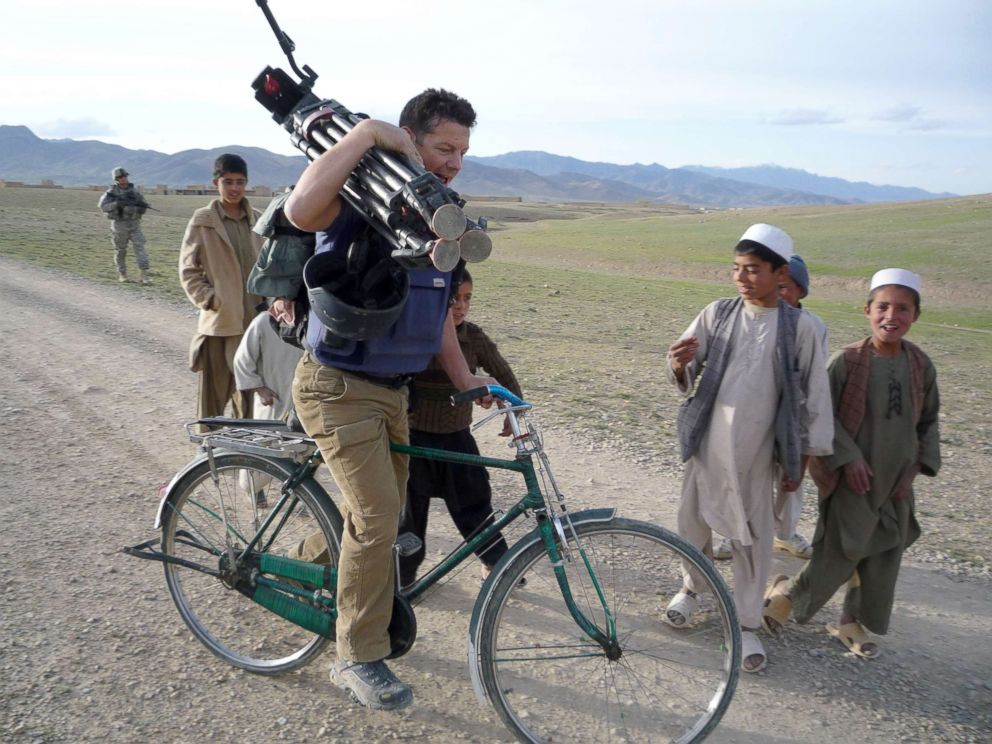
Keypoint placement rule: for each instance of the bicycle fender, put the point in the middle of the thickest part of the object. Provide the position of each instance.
(168, 490)
(579, 517)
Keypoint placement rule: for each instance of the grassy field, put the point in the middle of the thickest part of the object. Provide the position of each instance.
(584, 299)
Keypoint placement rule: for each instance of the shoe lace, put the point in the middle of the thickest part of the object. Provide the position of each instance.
(374, 673)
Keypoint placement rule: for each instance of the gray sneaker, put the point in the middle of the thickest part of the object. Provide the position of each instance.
(371, 684)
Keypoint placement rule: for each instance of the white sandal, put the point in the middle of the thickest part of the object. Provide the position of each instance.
(684, 605)
(751, 646)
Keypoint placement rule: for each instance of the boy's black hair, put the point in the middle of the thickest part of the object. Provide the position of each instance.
(465, 277)
(916, 295)
(754, 248)
(425, 111)
(230, 163)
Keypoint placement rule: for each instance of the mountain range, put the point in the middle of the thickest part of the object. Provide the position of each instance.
(530, 175)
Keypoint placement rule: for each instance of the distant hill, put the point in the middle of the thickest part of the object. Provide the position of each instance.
(531, 175)
(27, 157)
(793, 178)
(712, 186)
(674, 185)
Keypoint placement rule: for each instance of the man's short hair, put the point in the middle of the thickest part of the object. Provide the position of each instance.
(424, 112)
(230, 163)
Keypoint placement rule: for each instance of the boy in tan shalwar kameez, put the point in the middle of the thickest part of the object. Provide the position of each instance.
(764, 398)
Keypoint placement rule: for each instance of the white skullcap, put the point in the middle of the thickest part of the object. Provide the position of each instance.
(773, 238)
(896, 276)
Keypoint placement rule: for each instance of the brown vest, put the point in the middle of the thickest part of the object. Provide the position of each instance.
(850, 409)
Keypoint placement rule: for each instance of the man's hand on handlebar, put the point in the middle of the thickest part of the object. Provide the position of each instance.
(475, 381)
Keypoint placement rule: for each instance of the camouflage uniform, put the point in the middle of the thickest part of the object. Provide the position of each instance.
(124, 208)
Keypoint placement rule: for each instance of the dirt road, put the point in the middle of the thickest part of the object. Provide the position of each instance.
(95, 390)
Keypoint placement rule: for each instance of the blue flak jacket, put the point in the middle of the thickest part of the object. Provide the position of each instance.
(411, 342)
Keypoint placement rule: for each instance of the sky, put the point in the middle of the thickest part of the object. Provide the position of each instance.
(885, 91)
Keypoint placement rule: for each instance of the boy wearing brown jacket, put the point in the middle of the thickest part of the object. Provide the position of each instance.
(217, 254)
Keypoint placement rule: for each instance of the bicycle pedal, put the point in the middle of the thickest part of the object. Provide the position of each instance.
(407, 544)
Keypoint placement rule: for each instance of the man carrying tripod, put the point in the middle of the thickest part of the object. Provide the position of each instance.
(124, 207)
(352, 397)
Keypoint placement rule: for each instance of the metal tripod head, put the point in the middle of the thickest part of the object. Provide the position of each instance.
(307, 76)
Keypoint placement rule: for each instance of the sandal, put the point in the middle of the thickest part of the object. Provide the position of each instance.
(777, 607)
(854, 638)
(751, 646)
(682, 606)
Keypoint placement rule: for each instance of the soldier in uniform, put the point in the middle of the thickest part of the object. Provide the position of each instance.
(124, 206)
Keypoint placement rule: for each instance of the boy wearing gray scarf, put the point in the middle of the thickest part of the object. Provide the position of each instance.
(764, 400)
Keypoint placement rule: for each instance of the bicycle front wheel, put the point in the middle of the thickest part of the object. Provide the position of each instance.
(550, 683)
(221, 616)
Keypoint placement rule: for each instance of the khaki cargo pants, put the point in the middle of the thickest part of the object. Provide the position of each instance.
(353, 422)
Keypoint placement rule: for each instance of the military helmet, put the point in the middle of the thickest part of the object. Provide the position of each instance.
(118, 172)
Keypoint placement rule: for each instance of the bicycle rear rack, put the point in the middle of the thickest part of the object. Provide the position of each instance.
(265, 442)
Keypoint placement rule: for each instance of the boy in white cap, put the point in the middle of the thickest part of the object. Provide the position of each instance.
(886, 401)
(789, 503)
(763, 400)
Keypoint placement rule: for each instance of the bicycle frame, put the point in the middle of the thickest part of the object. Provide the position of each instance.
(550, 529)
(533, 501)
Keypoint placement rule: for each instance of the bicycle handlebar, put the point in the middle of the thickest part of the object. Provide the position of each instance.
(497, 391)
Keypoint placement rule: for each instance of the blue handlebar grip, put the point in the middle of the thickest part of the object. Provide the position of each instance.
(497, 391)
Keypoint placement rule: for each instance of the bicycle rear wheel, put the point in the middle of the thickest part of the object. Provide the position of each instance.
(221, 616)
(550, 683)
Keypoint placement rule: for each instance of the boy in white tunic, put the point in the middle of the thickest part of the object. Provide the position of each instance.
(764, 400)
(264, 365)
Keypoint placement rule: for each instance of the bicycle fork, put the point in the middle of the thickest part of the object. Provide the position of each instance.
(553, 533)
(606, 638)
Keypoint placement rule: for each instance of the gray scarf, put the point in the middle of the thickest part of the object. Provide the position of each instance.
(694, 414)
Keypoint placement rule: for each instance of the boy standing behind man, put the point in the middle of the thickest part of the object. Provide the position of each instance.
(435, 422)
(264, 366)
(218, 252)
(763, 399)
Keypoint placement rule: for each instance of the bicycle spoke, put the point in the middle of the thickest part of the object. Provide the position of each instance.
(218, 517)
(550, 683)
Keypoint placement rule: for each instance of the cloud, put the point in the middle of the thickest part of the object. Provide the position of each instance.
(805, 117)
(75, 128)
(912, 117)
(902, 112)
(926, 125)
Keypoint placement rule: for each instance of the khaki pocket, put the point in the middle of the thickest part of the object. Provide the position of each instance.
(360, 432)
(328, 383)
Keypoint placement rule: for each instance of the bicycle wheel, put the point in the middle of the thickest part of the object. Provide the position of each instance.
(225, 620)
(550, 683)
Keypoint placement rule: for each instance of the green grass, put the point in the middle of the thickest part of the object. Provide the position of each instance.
(62, 228)
(944, 240)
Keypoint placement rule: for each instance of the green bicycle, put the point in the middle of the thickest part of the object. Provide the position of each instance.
(566, 639)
